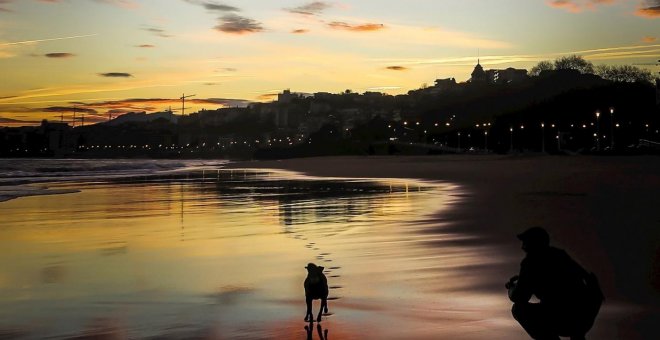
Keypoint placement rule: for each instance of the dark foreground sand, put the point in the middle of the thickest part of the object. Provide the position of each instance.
(605, 211)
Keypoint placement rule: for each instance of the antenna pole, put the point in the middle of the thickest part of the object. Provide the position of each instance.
(183, 103)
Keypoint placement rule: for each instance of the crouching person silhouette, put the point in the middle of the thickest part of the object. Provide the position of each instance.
(570, 297)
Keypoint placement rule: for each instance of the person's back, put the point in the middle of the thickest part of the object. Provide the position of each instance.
(555, 278)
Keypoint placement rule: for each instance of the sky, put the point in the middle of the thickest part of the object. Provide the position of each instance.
(108, 57)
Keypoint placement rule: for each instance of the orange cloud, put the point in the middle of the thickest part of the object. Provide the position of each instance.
(567, 5)
(300, 31)
(369, 27)
(577, 6)
(649, 39)
(649, 9)
(151, 104)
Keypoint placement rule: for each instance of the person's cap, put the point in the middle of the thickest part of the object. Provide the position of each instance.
(534, 234)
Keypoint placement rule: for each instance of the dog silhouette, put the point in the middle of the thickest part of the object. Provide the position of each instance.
(316, 287)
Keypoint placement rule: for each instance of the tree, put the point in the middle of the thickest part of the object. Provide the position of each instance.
(624, 74)
(544, 65)
(574, 62)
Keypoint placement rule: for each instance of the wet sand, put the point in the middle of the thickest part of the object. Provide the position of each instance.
(221, 255)
(603, 210)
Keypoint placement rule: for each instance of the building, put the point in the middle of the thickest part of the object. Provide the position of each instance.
(478, 75)
(442, 85)
(494, 76)
(507, 76)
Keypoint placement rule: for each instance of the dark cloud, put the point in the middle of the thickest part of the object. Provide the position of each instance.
(300, 31)
(2, 8)
(397, 68)
(158, 32)
(118, 111)
(67, 109)
(312, 8)
(236, 24)
(11, 121)
(230, 22)
(145, 46)
(368, 27)
(116, 75)
(220, 7)
(649, 9)
(213, 6)
(267, 96)
(59, 55)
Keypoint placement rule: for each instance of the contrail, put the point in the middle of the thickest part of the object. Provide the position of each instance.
(42, 40)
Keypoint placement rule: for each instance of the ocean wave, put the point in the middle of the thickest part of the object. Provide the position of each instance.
(16, 173)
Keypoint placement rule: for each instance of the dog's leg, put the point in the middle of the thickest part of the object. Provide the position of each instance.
(318, 319)
(309, 316)
(325, 305)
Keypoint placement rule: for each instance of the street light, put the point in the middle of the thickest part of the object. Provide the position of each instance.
(511, 147)
(543, 137)
(486, 142)
(597, 130)
(611, 128)
(459, 142)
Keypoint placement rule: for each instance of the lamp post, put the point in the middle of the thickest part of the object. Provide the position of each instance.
(611, 128)
(543, 137)
(486, 141)
(597, 130)
(511, 147)
(459, 142)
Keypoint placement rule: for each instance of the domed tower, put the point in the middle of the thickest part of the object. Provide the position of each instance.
(478, 75)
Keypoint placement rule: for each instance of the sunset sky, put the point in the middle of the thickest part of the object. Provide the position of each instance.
(116, 56)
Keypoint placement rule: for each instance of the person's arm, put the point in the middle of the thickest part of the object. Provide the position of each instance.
(521, 290)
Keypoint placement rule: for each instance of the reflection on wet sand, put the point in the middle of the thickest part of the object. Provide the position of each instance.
(218, 254)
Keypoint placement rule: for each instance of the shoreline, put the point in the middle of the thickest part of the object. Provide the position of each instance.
(602, 211)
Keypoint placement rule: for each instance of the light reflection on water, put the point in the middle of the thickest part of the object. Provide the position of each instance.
(221, 254)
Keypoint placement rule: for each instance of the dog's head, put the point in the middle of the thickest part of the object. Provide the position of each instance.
(313, 269)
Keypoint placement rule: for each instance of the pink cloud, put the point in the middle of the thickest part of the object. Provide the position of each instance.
(577, 6)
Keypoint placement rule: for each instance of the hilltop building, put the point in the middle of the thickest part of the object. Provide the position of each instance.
(506, 76)
(494, 76)
(479, 75)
